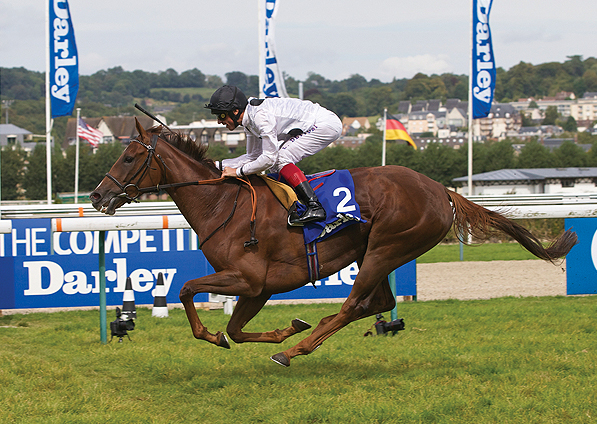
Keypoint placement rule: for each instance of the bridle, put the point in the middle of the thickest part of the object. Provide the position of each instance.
(131, 190)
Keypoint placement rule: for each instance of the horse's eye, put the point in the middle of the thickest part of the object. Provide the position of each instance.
(128, 159)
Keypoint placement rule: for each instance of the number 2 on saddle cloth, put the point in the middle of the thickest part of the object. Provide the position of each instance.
(335, 191)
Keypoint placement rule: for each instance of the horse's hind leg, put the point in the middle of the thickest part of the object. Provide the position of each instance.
(245, 309)
(370, 295)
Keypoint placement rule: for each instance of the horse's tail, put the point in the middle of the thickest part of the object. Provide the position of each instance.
(470, 218)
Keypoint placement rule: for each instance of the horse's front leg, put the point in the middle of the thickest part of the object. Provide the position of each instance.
(245, 310)
(230, 283)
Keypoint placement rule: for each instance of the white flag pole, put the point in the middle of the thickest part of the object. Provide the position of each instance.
(49, 120)
(77, 158)
(470, 107)
(261, 41)
(383, 146)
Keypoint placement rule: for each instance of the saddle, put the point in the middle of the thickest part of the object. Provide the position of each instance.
(283, 192)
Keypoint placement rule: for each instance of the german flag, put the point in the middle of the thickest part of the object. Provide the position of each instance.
(396, 131)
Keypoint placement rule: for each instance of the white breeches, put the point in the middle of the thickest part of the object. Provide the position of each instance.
(327, 128)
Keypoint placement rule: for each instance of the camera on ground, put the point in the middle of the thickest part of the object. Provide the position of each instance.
(382, 327)
(120, 327)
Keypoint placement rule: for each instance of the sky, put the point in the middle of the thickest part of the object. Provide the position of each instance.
(382, 39)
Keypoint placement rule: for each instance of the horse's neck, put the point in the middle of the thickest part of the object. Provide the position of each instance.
(197, 203)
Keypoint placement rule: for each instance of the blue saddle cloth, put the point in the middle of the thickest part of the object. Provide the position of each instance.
(335, 191)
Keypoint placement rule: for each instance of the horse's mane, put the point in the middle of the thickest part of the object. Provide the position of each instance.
(185, 144)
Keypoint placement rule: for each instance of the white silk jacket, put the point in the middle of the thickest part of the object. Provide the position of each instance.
(267, 126)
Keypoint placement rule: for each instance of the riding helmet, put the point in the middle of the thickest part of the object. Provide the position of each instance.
(226, 99)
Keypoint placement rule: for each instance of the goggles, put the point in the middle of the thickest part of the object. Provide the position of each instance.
(220, 114)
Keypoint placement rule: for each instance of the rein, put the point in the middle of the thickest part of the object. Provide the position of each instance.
(131, 190)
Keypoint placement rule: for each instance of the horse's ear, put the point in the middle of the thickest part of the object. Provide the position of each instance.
(141, 130)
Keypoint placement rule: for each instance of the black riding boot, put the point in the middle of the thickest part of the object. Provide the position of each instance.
(314, 212)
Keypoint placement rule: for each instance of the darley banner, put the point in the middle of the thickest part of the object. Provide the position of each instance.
(41, 269)
(483, 77)
(64, 66)
(273, 83)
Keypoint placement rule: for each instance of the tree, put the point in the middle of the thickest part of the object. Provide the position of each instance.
(590, 79)
(525, 120)
(376, 99)
(168, 78)
(494, 156)
(344, 104)
(441, 163)
(569, 154)
(213, 81)
(248, 85)
(570, 125)
(192, 78)
(35, 178)
(13, 163)
(93, 167)
(592, 155)
(551, 116)
(418, 88)
(355, 82)
(329, 158)
(535, 155)
(402, 155)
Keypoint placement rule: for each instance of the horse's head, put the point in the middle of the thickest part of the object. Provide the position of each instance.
(131, 175)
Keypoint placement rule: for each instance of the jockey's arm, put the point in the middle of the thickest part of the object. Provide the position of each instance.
(262, 151)
(253, 152)
(267, 158)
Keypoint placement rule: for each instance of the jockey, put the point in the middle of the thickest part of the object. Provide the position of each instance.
(280, 132)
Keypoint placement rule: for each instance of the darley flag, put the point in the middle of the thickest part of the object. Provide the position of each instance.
(396, 131)
(273, 85)
(90, 134)
(64, 66)
(483, 77)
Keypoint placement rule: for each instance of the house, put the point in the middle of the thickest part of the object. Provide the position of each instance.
(425, 121)
(585, 108)
(351, 142)
(352, 125)
(210, 132)
(456, 116)
(503, 119)
(531, 181)
(11, 135)
(455, 142)
(121, 128)
(566, 104)
(541, 132)
(555, 143)
(404, 107)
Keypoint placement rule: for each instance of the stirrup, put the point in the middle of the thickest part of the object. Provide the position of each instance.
(295, 220)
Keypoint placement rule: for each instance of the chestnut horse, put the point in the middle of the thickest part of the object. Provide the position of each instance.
(406, 213)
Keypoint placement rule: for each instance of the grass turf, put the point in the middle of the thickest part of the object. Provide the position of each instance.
(508, 360)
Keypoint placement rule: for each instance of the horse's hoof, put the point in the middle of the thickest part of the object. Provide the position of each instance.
(281, 358)
(300, 325)
(223, 341)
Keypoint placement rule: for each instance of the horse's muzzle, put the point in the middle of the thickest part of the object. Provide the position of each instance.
(106, 204)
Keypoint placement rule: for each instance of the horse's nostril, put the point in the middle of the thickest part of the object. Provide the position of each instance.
(95, 196)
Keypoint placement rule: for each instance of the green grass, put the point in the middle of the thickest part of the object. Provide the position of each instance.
(508, 360)
(480, 252)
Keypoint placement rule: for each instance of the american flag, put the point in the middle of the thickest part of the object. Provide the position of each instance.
(90, 134)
